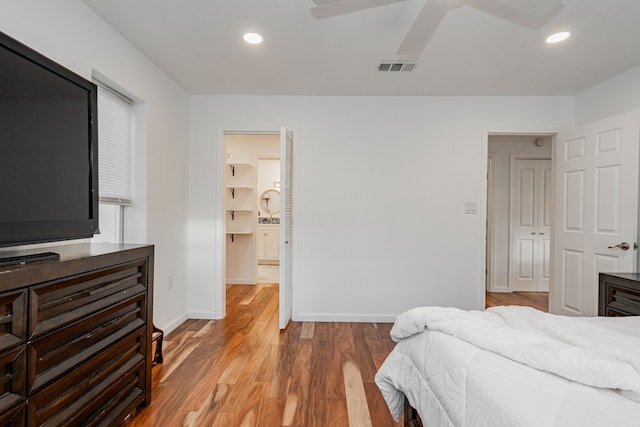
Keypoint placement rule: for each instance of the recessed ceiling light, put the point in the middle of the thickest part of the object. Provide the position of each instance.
(253, 38)
(558, 37)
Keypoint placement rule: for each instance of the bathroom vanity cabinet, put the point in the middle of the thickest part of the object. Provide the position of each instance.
(268, 243)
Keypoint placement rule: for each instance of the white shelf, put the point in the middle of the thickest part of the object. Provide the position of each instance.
(240, 201)
(239, 175)
(240, 221)
(233, 234)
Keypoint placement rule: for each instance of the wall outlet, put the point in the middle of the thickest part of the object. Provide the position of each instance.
(170, 282)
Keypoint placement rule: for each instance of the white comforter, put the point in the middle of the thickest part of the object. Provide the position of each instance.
(473, 368)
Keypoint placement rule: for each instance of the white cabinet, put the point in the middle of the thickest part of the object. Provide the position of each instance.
(268, 244)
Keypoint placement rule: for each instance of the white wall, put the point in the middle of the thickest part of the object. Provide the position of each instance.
(381, 181)
(609, 98)
(380, 188)
(501, 149)
(70, 33)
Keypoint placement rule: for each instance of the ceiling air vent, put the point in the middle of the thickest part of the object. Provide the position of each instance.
(396, 66)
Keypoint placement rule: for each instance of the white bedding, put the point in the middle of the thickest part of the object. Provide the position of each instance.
(513, 366)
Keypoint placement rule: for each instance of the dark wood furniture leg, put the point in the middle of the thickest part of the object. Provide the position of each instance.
(411, 417)
(157, 338)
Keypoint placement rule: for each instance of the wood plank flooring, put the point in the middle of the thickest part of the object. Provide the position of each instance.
(539, 300)
(242, 371)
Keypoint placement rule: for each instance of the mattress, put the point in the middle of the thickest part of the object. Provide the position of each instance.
(453, 382)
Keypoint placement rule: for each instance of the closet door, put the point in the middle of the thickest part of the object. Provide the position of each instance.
(530, 224)
(286, 227)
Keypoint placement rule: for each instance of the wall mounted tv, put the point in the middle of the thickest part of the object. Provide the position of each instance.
(48, 149)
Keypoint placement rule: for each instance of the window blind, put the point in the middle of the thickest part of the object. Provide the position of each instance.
(114, 146)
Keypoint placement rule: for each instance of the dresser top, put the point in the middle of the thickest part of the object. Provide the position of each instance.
(74, 259)
(628, 276)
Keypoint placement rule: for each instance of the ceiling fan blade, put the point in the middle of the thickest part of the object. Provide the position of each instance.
(343, 7)
(423, 27)
(323, 2)
(532, 7)
(517, 16)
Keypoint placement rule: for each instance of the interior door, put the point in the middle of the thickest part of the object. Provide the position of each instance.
(286, 225)
(596, 206)
(530, 224)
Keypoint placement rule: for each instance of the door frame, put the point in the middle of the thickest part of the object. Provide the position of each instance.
(482, 208)
(220, 261)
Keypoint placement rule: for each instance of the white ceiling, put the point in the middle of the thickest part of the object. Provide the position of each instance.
(199, 44)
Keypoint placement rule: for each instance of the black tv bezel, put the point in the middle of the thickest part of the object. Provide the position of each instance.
(24, 233)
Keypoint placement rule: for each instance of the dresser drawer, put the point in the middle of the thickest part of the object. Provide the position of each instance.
(622, 301)
(612, 312)
(13, 416)
(60, 353)
(13, 320)
(102, 389)
(13, 394)
(59, 303)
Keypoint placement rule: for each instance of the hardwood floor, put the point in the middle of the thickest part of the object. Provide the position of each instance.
(242, 371)
(539, 300)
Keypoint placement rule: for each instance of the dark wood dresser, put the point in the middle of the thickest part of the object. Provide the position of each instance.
(619, 294)
(75, 336)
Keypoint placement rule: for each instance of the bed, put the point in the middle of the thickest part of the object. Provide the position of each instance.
(512, 367)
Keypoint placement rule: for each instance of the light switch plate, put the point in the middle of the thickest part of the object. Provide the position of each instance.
(470, 208)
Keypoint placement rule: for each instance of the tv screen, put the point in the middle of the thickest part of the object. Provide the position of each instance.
(48, 149)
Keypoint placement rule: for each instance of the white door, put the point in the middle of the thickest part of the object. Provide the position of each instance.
(286, 225)
(530, 225)
(596, 206)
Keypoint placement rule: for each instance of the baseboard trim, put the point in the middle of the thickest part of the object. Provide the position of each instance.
(204, 315)
(353, 318)
(304, 317)
(167, 329)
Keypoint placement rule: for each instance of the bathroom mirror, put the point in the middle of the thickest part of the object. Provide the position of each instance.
(270, 201)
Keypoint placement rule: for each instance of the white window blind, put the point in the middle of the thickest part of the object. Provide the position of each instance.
(114, 146)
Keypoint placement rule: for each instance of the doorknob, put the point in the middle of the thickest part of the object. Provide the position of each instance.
(624, 246)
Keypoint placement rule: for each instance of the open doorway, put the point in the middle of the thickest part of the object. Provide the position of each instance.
(252, 208)
(239, 201)
(519, 196)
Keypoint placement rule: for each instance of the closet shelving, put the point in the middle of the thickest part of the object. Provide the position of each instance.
(239, 200)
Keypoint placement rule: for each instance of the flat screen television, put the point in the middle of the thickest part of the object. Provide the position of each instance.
(48, 149)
